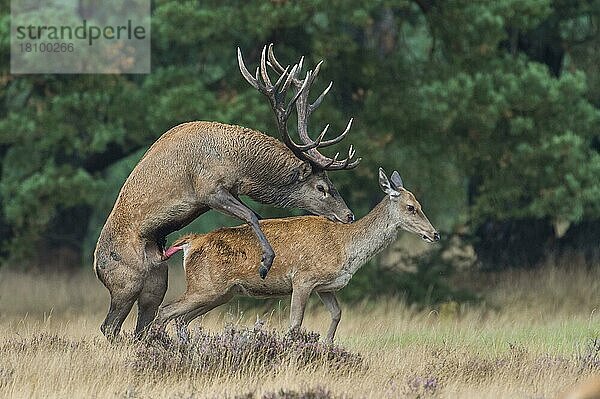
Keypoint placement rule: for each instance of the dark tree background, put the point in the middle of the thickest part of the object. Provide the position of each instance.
(490, 111)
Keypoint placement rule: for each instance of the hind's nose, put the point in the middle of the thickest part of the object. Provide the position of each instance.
(350, 217)
(436, 236)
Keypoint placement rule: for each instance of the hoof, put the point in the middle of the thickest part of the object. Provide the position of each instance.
(263, 270)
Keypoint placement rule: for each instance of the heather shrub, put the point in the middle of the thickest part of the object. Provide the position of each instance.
(589, 359)
(240, 351)
(311, 393)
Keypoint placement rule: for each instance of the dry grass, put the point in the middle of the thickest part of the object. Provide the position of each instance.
(530, 339)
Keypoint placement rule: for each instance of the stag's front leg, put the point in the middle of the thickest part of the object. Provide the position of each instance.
(223, 201)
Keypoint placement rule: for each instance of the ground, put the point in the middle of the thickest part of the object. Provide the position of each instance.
(531, 336)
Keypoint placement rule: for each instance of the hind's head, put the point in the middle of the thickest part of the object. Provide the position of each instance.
(406, 211)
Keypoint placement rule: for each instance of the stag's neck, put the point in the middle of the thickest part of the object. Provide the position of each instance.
(370, 235)
(265, 164)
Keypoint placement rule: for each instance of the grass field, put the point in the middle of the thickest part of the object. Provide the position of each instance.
(531, 337)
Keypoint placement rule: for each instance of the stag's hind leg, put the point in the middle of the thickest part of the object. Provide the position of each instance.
(117, 313)
(151, 296)
(124, 285)
(122, 297)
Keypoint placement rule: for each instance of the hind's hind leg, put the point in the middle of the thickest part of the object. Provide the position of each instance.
(186, 319)
(194, 304)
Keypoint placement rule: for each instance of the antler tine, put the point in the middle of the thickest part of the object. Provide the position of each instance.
(256, 75)
(323, 132)
(345, 163)
(317, 102)
(278, 68)
(333, 160)
(300, 65)
(273, 61)
(339, 138)
(245, 73)
(353, 165)
(298, 94)
(283, 75)
(313, 144)
(318, 68)
(263, 69)
(333, 163)
(287, 77)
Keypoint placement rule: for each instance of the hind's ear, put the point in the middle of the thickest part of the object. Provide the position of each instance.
(396, 181)
(385, 184)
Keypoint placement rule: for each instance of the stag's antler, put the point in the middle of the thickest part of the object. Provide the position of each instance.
(276, 93)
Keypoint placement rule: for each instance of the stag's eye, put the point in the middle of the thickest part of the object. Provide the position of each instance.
(411, 209)
(322, 189)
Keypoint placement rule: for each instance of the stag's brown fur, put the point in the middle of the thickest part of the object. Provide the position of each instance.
(314, 254)
(182, 175)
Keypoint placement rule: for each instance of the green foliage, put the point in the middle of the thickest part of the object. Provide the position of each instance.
(489, 110)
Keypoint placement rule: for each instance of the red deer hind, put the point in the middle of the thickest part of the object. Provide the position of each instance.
(314, 255)
(198, 166)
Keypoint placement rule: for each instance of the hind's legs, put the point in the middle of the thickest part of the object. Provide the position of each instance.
(190, 306)
(331, 303)
(300, 297)
(184, 321)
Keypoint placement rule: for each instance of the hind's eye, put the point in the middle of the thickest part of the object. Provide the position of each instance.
(411, 209)
(321, 188)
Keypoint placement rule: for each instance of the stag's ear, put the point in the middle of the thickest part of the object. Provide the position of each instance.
(396, 181)
(385, 184)
(301, 172)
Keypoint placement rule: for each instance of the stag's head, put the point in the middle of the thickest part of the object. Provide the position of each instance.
(310, 187)
(405, 210)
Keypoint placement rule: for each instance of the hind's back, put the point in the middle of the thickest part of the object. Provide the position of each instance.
(304, 246)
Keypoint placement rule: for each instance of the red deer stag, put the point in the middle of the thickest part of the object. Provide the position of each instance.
(313, 254)
(198, 166)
